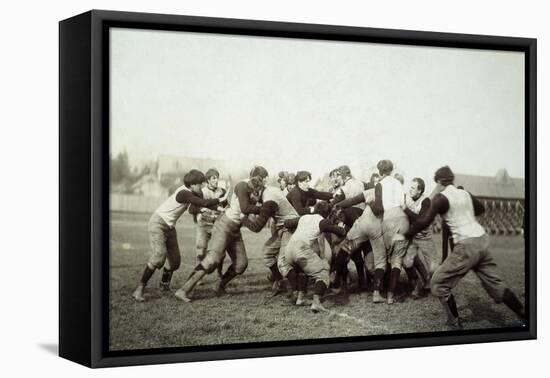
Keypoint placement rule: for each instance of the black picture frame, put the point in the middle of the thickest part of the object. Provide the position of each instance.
(84, 186)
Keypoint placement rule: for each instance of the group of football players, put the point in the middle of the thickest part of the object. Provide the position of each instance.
(379, 225)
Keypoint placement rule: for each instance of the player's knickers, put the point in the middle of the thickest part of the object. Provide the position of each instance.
(274, 245)
(469, 254)
(226, 235)
(424, 249)
(369, 227)
(395, 222)
(202, 237)
(301, 254)
(163, 240)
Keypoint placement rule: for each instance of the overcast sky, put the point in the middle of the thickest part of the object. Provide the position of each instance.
(292, 104)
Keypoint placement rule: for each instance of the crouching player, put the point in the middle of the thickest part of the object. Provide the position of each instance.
(300, 256)
(226, 236)
(162, 230)
(459, 209)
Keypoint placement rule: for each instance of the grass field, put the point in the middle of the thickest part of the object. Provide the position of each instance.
(247, 315)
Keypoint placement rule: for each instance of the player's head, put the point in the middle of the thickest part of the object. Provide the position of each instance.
(212, 177)
(418, 186)
(283, 179)
(385, 167)
(344, 171)
(303, 178)
(444, 176)
(194, 180)
(259, 171)
(291, 181)
(322, 208)
(399, 177)
(255, 185)
(335, 178)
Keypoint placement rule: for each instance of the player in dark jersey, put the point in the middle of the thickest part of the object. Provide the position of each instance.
(162, 230)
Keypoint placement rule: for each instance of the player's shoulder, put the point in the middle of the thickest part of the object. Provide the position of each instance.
(241, 185)
(272, 193)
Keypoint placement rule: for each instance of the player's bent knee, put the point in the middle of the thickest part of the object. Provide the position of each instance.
(209, 263)
(156, 263)
(438, 289)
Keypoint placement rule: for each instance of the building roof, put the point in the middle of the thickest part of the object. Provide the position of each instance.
(499, 186)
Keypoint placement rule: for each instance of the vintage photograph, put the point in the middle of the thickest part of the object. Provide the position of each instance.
(274, 189)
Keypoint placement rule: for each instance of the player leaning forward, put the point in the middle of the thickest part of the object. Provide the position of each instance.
(162, 230)
(300, 253)
(226, 236)
(275, 205)
(459, 209)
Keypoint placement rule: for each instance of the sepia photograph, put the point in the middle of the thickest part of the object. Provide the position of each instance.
(266, 189)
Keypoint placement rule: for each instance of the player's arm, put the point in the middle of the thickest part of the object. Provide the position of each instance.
(479, 209)
(439, 205)
(424, 207)
(325, 196)
(243, 196)
(192, 198)
(292, 224)
(351, 201)
(377, 205)
(267, 210)
(445, 234)
(327, 226)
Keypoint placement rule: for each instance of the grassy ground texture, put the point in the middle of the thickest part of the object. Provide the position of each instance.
(248, 314)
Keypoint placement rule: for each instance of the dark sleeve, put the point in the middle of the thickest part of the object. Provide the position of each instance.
(326, 226)
(377, 206)
(325, 196)
(184, 196)
(292, 224)
(351, 201)
(241, 191)
(295, 200)
(440, 205)
(478, 205)
(424, 207)
(267, 210)
(445, 232)
(194, 209)
(223, 203)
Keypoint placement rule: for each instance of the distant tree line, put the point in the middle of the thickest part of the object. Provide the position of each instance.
(122, 172)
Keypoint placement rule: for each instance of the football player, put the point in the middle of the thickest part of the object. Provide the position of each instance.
(226, 236)
(163, 238)
(459, 209)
